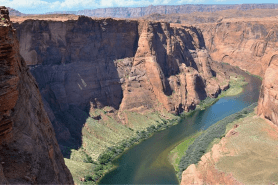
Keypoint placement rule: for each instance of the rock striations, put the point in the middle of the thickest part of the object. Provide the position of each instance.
(128, 65)
(29, 152)
(248, 43)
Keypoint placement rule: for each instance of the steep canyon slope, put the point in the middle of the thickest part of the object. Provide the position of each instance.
(29, 152)
(250, 43)
(123, 65)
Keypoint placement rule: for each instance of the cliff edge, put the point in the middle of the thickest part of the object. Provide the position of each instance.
(29, 152)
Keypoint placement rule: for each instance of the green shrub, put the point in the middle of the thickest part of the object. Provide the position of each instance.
(88, 159)
(105, 157)
(88, 178)
(98, 167)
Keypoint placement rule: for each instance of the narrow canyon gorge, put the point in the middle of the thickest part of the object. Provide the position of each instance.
(75, 86)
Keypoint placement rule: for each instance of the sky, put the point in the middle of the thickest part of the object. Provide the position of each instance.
(43, 6)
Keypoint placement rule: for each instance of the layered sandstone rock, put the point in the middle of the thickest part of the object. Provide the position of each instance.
(128, 65)
(250, 44)
(29, 152)
(268, 101)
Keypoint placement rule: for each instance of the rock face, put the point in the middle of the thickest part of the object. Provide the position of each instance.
(206, 172)
(29, 152)
(249, 44)
(128, 65)
(129, 12)
(268, 101)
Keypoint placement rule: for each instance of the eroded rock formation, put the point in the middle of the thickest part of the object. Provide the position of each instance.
(29, 152)
(128, 65)
(250, 44)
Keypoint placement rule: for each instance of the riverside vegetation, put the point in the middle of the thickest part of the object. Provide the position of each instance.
(185, 153)
(204, 142)
(110, 141)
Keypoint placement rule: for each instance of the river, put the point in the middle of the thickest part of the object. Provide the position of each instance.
(147, 162)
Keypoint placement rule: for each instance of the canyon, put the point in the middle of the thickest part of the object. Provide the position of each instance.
(129, 66)
(98, 76)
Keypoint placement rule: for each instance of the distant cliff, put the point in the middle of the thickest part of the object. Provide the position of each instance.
(29, 152)
(129, 12)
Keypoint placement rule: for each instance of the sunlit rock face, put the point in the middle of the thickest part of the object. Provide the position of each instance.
(29, 152)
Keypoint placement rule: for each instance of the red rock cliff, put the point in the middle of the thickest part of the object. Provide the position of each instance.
(268, 101)
(29, 152)
(245, 42)
(252, 45)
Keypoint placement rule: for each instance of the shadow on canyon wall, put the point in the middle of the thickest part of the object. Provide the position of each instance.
(74, 68)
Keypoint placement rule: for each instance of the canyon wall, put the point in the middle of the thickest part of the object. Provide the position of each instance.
(137, 66)
(250, 44)
(29, 152)
(268, 101)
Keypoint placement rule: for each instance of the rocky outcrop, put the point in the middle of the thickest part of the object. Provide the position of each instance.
(249, 44)
(29, 152)
(268, 100)
(206, 172)
(128, 65)
(134, 12)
